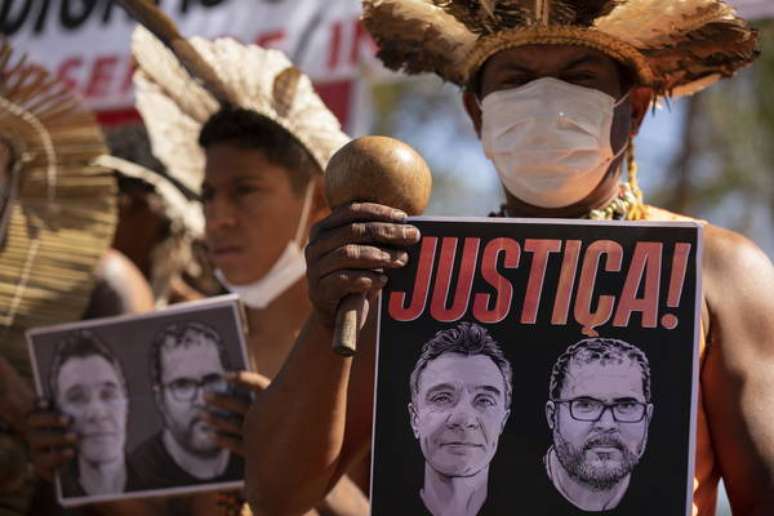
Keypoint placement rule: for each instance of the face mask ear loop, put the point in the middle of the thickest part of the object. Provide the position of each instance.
(305, 211)
(631, 171)
(623, 98)
(631, 164)
(626, 147)
(638, 208)
(629, 146)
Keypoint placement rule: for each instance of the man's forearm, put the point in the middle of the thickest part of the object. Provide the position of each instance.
(345, 499)
(295, 429)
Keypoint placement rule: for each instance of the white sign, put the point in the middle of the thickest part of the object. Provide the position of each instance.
(87, 42)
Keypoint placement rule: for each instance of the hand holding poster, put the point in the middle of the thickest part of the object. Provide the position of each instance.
(539, 368)
(133, 389)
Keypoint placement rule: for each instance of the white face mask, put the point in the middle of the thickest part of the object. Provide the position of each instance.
(549, 140)
(289, 267)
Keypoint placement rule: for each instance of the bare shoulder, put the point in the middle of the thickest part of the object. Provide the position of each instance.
(737, 274)
(114, 266)
(728, 252)
(725, 251)
(120, 288)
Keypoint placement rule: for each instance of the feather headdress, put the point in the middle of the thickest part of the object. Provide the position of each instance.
(175, 105)
(173, 255)
(676, 47)
(58, 207)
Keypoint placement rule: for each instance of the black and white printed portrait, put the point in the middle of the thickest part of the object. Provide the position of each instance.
(88, 385)
(133, 392)
(460, 403)
(187, 361)
(599, 411)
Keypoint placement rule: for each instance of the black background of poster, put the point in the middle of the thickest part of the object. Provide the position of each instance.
(659, 482)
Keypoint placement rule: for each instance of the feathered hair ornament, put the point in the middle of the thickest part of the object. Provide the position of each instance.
(677, 47)
(57, 207)
(180, 83)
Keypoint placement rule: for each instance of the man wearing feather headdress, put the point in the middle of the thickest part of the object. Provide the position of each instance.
(241, 127)
(556, 89)
(57, 216)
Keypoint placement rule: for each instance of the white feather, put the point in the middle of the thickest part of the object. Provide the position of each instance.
(173, 133)
(174, 107)
(162, 67)
(658, 23)
(176, 206)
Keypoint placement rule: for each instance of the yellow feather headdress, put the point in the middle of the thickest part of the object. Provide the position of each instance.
(58, 206)
(677, 47)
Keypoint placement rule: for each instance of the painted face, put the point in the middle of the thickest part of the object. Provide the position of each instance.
(601, 452)
(459, 413)
(90, 391)
(250, 209)
(187, 372)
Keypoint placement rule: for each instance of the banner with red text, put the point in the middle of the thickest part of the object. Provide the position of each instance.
(87, 42)
(539, 367)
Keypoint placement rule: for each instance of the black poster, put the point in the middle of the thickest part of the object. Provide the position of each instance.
(539, 368)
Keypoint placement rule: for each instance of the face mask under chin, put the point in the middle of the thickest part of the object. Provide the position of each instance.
(577, 122)
(286, 271)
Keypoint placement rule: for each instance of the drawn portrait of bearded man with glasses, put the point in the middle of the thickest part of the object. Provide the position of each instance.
(599, 411)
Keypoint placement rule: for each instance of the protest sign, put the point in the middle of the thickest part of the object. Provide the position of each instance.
(539, 367)
(133, 388)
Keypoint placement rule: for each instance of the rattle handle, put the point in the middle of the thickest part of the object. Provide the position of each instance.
(348, 316)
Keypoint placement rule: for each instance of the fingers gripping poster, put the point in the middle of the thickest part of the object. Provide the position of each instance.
(539, 368)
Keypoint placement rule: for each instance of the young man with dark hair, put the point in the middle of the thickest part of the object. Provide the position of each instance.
(246, 129)
(256, 158)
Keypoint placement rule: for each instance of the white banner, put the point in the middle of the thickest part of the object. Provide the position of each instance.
(87, 42)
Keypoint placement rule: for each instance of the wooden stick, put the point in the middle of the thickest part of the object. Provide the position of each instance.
(348, 316)
(157, 22)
